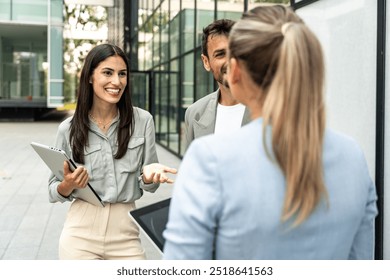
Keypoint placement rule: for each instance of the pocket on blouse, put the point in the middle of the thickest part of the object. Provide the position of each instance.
(94, 162)
(132, 160)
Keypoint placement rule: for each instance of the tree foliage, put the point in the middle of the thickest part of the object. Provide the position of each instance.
(85, 18)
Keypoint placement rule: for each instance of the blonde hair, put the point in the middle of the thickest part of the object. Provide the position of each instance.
(285, 59)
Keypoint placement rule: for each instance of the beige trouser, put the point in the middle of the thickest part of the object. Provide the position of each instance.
(92, 232)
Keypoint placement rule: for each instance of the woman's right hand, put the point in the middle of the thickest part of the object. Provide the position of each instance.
(77, 179)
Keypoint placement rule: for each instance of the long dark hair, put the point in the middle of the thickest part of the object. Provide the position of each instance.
(79, 126)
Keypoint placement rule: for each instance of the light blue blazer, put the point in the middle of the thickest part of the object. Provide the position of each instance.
(230, 194)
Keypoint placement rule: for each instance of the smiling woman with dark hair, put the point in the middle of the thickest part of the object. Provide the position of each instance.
(114, 145)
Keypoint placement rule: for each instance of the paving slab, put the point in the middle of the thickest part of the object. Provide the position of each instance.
(30, 226)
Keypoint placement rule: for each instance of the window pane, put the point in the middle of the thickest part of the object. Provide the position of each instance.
(56, 11)
(204, 79)
(56, 53)
(23, 68)
(204, 18)
(188, 30)
(174, 36)
(29, 10)
(230, 10)
(164, 78)
(5, 9)
(188, 80)
(174, 129)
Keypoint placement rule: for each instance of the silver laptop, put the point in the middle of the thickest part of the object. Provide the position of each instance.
(54, 159)
(152, 219)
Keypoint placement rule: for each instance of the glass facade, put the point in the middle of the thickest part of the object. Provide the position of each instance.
(168, 36)
(31, 53)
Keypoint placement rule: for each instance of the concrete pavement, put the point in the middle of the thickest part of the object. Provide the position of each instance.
(30, 226)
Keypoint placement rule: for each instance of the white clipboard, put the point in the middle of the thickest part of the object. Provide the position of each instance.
(54, 159)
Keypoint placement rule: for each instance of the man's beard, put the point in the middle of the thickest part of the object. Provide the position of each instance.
(225, 83)
(222, 77)
(221, 80)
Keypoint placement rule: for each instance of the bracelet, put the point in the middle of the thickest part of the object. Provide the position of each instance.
(140, 177)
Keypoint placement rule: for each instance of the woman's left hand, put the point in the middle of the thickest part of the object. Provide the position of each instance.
(156, 173)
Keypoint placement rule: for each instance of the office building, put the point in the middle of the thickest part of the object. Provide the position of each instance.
(31, 57)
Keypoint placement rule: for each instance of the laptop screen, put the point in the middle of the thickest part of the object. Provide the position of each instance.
(153, 220)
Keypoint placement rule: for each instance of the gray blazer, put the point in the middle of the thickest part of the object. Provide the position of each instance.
(200, 117)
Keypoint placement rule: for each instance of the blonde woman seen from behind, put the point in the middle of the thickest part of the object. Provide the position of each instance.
(284, 186)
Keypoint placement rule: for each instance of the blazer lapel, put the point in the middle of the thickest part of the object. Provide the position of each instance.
(206, 124)
(247, 117)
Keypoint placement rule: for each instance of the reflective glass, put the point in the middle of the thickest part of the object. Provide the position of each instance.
(188, 29)
(23, 10)
(5, 9)
(23, 66)
(174, 129)
(164, 107)
(204, 79)
(204, 18)
(174, 36)
(188, 80)
(56, 15)
(56, 53)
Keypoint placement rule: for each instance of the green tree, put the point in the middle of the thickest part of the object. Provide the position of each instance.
(85, 18)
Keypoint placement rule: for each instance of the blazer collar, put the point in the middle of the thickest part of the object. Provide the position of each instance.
(208, 117)
(247, 117)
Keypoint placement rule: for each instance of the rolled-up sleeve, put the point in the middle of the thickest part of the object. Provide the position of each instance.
(60, 143)
(150, 154)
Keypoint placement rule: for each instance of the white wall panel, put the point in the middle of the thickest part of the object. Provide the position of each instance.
(348, 32)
